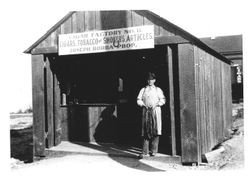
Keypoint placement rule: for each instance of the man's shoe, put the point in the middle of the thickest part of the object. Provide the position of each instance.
(140, 156)
(152, 154)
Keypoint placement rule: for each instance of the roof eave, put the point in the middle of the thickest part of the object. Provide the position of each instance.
(187, 35)
(190, 37)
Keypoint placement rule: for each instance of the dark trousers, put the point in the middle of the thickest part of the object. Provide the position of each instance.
(150, 145)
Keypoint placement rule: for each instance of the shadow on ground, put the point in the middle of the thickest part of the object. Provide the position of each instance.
(121, 154)
(22, 144)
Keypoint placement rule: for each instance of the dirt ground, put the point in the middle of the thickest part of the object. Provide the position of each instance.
(231, 158)
(21, 138)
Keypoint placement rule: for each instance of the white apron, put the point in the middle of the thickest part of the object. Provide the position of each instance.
(151, 96)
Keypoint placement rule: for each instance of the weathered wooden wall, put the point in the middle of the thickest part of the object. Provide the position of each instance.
(53, 111)
(90, 123)
(203, 83)
(49, 116)
(188, 116)
(213, 93)
(205, 101)
(38, 105)
(170, 58)
(101, 123)
(82, 21)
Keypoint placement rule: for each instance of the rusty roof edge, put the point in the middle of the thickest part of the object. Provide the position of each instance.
(193, 39)
(52, 29)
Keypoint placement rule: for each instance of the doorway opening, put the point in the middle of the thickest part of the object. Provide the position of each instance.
(100, 92)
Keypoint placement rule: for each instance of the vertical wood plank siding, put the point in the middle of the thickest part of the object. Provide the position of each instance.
(188, 103)
(229, 98)
(137, 19)
(49, 99)
(89, 20)
(54, 38)
(66, 27)
(204, 85)
(80, 22)
(129, 19)
(74, 23)
(171, 98)
(98, 24)
(38, 105)
(65, 124)
(57, 112)
(201, 95)
(197, 100)
(94, 116)
(227, 106)
(102, 20)
(213, 99)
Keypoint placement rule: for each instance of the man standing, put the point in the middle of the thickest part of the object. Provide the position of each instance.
(151, 98)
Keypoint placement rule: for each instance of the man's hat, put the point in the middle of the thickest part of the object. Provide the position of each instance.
(151, 76)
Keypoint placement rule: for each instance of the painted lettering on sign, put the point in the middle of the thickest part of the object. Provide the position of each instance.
(141, 37)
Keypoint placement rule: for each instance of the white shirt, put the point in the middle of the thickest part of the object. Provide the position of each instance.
(151, 96)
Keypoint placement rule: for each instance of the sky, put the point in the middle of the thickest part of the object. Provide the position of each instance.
(26, 21)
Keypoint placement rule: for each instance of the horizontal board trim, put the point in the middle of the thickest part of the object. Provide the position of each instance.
(159, 40)
(45, 50)
(169, 40)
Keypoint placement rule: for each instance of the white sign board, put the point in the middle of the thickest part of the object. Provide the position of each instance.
(141, 37)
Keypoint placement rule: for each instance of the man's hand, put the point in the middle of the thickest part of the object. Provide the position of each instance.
(157, 105)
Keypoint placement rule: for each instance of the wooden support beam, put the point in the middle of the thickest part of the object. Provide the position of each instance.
(49, 104)
(38, 105)
(171, 98)
(45, 50)
(159, 40)
(57, 112)
(198, 84)
(189, 141)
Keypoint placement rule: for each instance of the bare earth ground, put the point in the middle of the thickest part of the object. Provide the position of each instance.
(21, 153)
(21, 138)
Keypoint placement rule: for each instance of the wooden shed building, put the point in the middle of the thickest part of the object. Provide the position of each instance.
(231, 48)
(91, 96)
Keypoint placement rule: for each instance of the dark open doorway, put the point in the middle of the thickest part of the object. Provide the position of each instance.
(111, 81)
(133, 67)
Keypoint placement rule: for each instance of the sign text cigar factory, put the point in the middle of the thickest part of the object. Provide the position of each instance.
(140, 37)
